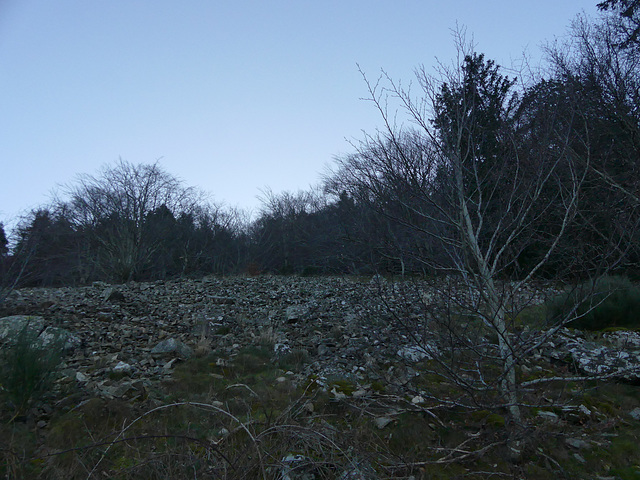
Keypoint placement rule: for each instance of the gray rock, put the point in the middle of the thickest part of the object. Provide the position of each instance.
(52, 335)
(297, 467)
(222, 300)
(11, 326)
(615, 355)
(635, 413)
(381, 422)
(549, 416)
(112, 295)
(295, 312)
(416, 353)
(577, 443)
(172, 346)
(123, 367)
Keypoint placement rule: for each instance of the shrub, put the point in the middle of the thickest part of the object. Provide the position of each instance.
(611, 301)
(27, 367)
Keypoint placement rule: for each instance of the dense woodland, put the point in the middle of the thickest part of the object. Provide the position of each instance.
(541, 168)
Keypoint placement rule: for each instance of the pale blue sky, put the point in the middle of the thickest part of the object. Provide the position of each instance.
(233, 96)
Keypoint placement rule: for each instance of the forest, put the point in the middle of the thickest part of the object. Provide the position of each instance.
(528, 174)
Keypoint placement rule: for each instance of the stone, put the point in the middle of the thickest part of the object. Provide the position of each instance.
(123, 367)
(297, 467)
(577, 443)
(112, 295)
(51, 335)
(295, 312)
(418, 352)
(13, 325)
(548, 416)
(635, 413)
(172, 346)
(616, 355)
(381, 422)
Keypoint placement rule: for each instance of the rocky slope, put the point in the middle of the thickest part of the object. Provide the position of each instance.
(346, 326)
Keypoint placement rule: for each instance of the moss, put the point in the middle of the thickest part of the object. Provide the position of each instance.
(377, 386)
(311, 383)
(496, 421)
(67, 431)
(479, 415)
(534, 316)
(627, 473)
(223, 330)
(343, 386)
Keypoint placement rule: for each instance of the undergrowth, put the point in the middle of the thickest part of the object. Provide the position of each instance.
(251, 416)
(609, 302)
(27, 366)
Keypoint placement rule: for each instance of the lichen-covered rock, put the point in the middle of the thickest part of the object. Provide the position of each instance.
(13, 325)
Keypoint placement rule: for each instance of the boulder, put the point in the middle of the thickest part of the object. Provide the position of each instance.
(11, 327)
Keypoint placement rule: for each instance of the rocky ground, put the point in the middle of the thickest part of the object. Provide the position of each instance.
(346, 325)
(117, 327)
(124, 341)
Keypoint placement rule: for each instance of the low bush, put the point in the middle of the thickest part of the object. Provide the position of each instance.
(27, 367)
(609, 302)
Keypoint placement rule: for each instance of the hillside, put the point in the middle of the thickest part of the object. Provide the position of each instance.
(301, 378)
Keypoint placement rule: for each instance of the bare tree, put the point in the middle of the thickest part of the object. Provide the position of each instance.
(489, 176)
(627, 20)
(114, 206)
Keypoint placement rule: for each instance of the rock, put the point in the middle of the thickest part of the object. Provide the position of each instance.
(171, 345)
(381, 422)
(281, 348)
(222, 300)
(418, 352)
(11, 327)
(579, 458)
(295, 313)
(549, 416)
(297, 467)
(81, 377)
(123, 367)
(15, 324)
(169, 365)
(616, 355)
(52, 335)
(338, 395)
(112, 295)
(577, 443)
(635, 413)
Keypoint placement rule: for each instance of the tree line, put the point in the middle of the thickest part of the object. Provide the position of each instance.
(516, 173)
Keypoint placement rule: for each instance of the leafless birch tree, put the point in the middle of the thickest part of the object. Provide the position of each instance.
(487, 176)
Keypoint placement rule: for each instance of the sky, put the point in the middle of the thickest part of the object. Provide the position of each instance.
(231, 96)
